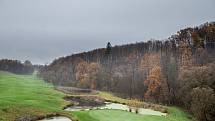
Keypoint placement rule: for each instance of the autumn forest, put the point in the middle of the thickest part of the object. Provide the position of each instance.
(177, 71)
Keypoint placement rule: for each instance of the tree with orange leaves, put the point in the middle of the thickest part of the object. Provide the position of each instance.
(82, 73)
(93, 71)
(157, 85)
(157, 89)
(86, 73)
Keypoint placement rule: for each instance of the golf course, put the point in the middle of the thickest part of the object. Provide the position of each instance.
(25, 97)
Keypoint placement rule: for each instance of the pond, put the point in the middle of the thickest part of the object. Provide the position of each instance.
(60, 118)
(118, 106)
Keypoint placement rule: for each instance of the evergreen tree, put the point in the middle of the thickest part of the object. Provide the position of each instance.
(108, 48)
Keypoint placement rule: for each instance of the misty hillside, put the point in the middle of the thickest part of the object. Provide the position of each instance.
(165, 72)
(63, 70)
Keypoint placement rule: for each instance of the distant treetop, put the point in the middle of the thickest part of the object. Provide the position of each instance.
(108, 48)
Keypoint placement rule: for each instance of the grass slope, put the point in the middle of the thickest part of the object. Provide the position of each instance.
(117, 115)
(22, 95)
(174, 113)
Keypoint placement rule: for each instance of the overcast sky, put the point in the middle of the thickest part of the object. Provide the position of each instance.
(41, 30)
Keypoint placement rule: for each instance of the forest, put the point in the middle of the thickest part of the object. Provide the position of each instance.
(16, 66)
(177, 71)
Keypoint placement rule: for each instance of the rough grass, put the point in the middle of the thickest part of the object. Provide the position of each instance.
(133, 102)
(174, 113)
(26, 96)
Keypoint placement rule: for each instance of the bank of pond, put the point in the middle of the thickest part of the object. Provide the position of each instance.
(88, 105)
(117, 106)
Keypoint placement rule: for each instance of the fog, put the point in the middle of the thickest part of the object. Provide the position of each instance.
(41, 30)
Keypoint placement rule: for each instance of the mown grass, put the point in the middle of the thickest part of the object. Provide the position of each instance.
(27, 96)
(175, 114)
(133, 102)
(22, 95)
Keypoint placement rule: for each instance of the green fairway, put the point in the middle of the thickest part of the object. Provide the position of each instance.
(117, 115)
(22, 95)
(27, 96)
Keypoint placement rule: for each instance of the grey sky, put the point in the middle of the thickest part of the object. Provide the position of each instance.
(41, 30)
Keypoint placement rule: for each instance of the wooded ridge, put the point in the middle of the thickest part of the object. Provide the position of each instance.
(176, 71)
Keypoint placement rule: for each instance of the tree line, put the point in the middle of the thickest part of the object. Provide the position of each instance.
(176, 71)
(16, 66)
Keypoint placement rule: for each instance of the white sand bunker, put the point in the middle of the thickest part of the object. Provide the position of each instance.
(56, 119)
(117, 106)
(133, 109)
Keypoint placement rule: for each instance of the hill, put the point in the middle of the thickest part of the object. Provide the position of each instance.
(167, 71)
